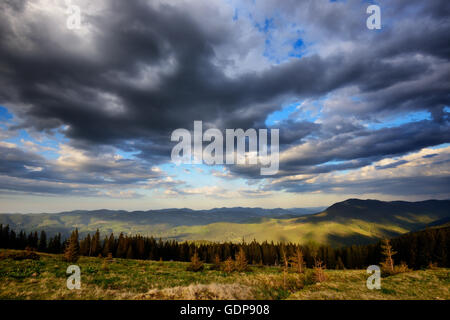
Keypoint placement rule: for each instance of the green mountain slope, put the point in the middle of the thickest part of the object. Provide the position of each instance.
(349, 222)
(152, 222)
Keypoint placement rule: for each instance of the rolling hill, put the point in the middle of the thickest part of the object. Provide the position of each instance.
(352, 221)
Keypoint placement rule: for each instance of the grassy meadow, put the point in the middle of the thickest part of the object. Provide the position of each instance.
(143, 279)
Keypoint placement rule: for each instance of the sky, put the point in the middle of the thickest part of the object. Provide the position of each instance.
(86, 114)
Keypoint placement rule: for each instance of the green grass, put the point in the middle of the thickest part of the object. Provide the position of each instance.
(143, 279)
(350, 284)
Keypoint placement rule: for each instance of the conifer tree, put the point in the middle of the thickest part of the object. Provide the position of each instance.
(95, 246)
(42, 246)
(441, 248)
(32, 240)
(285, 264)
(130, 254)
(140, 248)
(339, 264)
(388, 252)
(121, 247)
(54, 245)
(85, 244)
(108, 245)
(297, 261)
(72, 252)
(241, 261)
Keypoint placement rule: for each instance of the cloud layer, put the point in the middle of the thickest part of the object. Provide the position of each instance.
(137, 70)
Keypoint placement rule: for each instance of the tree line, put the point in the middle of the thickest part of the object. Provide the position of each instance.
(417, 249)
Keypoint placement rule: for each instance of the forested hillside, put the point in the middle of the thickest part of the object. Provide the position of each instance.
(345, 223)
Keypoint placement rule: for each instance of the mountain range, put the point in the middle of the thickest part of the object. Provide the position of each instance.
(352, 221)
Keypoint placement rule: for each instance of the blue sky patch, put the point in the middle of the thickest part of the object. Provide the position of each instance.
(4, 114)
(401, 120)
(280, 115)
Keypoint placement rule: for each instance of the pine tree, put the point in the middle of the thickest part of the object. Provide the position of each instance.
(441, 250)
(121, 247)
(285, 264)
(241, 261)
(32, 240)
(85, 244)
(72, 252)
(388, 264)
(339, 264)
(54, 245)
(140, 248)
(5, 237)
(130, 254)
(108, 245)
(95, 246)
(12, 240)
(42, 246)
(22, 240)
(297, 261)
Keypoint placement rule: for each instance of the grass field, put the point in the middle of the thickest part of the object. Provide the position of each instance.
(139, 279)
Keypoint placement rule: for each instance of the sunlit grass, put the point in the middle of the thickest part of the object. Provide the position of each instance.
(144, 279)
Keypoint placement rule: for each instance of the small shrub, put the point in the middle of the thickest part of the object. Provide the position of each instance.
(396, 269)
(228, 265)
(107, 261)
(105, 265)
(319, 271)
(216, 263)
(403, 267)
(432, 265)
(196, 264)
(309, 277)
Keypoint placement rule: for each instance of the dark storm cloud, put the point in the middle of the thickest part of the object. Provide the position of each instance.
(145, 70)
(293, 131)
(383, 142)
(29, 172)
(355, 149)
(13, 161)
(432, 187)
